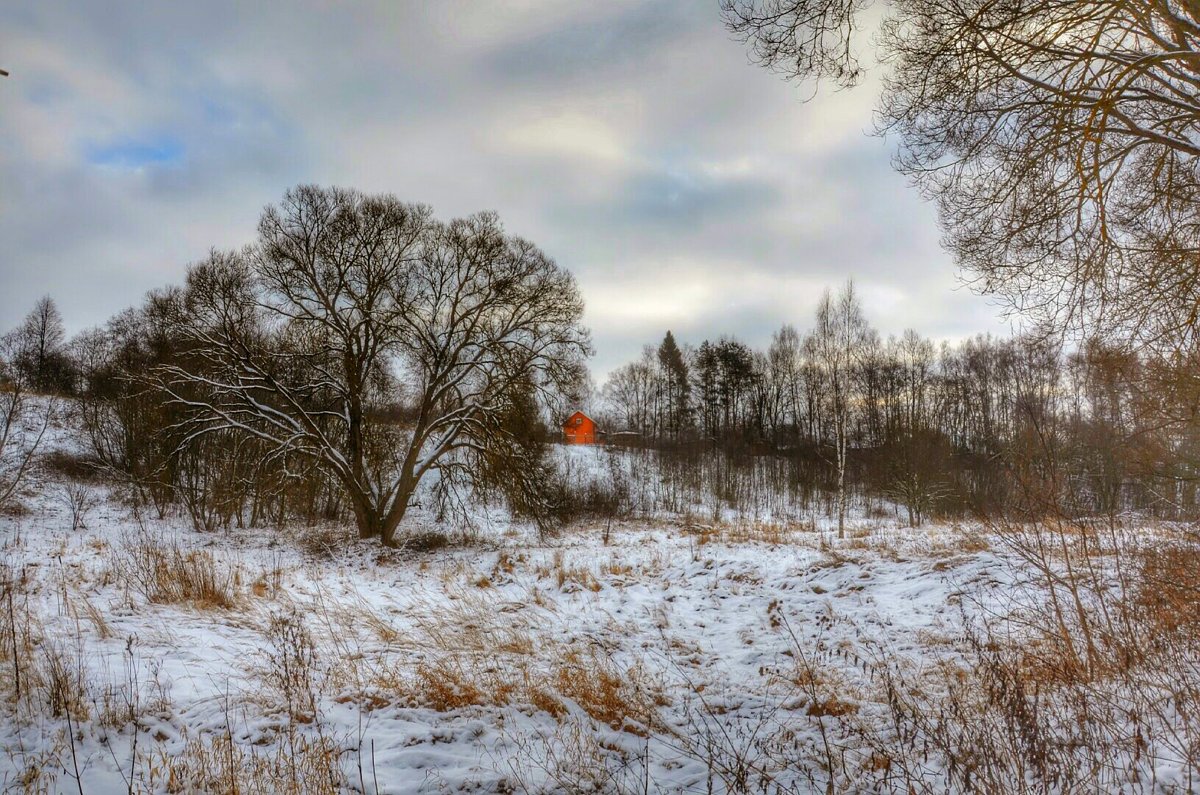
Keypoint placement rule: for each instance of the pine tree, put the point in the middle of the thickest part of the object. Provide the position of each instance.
(675, 372)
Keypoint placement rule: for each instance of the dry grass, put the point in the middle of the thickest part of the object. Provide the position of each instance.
(506, 565)
(165, 572)
(587, 682)
(426, 541)
(616, 568)
(325, 541)
(831, 707)
(446, 685)
(952, 544)
(1167, 590)
(68, 466)
(884, 546)
(83, 607)
(768, 533)
(290, 673)
(572, 757)
(36, 771)
(471, 623)
(20, 627)
(47, 687)
(569, 577)
(1083, 678)
(305, 765)
(619, 699)
(38, 673)
(481, 649)
(467, 653)
(61, 674)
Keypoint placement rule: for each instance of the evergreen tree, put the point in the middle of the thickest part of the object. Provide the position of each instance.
(678, 386)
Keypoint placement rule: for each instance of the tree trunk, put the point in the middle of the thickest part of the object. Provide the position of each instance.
(841, 467)
(388, 530)
(366, 517)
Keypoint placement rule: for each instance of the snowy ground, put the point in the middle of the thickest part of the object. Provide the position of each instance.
(665, 657)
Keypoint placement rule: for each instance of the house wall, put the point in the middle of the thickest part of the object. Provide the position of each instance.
(579, 429)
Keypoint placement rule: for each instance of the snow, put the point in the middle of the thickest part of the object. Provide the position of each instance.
(713, 620)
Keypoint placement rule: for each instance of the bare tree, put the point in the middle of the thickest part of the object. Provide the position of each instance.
(1060, 140)
(836, 344)
(785, 377)
(36, 348)
(632, 394)
(44, 329)
(23, 421)
(915, 357)
(372, 340)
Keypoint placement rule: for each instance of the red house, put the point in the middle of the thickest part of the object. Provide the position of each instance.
(579, 429)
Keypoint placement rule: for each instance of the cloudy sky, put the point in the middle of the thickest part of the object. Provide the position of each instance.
(633, 141)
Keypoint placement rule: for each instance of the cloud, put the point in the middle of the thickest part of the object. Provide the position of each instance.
(569, 136)
(594, 46)
(632, 140)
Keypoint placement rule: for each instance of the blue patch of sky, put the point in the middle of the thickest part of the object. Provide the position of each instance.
(44, 93)
(133, 153)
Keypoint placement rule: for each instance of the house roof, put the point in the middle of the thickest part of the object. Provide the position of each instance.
(568, 420)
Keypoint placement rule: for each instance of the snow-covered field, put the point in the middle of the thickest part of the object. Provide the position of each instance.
(665, 657)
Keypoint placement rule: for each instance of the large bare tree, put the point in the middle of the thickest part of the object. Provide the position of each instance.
(373, 340)
(1060, 140)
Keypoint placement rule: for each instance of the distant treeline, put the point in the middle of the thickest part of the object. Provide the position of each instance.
(984, 425)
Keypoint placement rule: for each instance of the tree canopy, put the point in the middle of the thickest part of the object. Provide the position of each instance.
(1059, 139)
(373, 340)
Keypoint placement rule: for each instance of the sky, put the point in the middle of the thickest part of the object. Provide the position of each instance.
(634, 142)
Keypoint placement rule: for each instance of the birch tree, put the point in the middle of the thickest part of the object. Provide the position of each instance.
(31, 359)
(373, 340)
(835, 345)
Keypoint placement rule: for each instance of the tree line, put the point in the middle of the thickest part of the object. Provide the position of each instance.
(950, 429)
(263, 391)
(358, 348)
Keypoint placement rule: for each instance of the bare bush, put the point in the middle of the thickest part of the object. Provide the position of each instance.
(569, 756)
(323, 541)
(61, 674)
(291, 670)
(79, 499)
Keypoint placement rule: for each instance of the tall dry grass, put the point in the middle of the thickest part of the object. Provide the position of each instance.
(163, 570)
